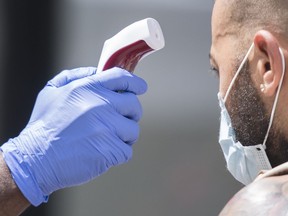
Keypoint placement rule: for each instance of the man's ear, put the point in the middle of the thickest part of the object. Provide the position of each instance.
(269, 65)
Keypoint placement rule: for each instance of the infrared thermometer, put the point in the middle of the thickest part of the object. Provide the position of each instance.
(131, 44)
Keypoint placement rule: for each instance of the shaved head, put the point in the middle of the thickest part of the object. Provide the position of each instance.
(243, 18)
(249, 16)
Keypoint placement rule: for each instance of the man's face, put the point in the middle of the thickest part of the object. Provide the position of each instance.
(249, 117)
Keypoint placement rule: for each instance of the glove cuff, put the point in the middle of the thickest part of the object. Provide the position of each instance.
(21, 174)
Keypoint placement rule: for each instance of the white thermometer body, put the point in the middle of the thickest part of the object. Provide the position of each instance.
(131, 44)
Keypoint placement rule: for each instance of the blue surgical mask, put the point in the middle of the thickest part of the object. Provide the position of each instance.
(244, 162)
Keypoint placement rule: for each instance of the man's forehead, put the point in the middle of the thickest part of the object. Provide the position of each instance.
(224, 37)
(221, 18)
(222, 23)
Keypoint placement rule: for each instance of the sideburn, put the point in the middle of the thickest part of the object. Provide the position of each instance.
(247, 110)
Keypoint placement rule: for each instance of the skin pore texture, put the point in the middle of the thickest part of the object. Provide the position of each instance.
(235, 25)
(247, 110)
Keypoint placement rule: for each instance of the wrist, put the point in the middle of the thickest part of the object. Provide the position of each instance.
(12, 201)
(21, 174)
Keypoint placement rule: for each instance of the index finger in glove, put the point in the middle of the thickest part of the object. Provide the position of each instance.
(68, 76)
(117, 79)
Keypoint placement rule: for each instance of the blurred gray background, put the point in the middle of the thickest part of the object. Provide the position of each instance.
(177, 167)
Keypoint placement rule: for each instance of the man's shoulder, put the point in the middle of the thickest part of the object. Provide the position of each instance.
(268, 195)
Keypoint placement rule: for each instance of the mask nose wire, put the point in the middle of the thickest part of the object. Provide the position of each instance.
(238, 71)
(276, 97)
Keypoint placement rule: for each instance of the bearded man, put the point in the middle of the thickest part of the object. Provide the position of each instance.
(249, 53)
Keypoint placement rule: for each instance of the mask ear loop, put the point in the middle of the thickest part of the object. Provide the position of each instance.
(238, 71)
(276, 97)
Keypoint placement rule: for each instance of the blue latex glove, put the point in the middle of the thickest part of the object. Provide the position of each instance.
(79, 128)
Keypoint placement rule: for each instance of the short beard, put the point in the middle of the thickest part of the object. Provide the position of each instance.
(250, 119)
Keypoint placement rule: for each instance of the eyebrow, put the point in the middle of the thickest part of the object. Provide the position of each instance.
(213, 63)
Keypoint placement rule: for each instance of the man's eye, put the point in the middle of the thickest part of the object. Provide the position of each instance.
(214, 71)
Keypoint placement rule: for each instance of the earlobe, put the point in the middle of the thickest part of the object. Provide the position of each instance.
(269, 65)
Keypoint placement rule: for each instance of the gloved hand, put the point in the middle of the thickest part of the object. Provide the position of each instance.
(79, 128)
